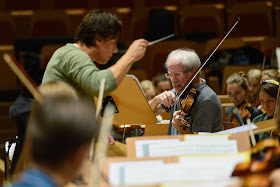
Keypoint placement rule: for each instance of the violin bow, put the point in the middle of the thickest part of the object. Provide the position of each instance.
(277, 99)
(102, 144)
(204, 63)
(98, 108)
(23, 76)
(252, 136)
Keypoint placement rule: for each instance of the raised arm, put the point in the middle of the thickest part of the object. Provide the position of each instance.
(135, 52)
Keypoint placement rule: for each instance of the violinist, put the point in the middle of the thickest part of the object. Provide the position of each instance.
(237, 90)
(254, 78)
(268, 96)
(205, 112)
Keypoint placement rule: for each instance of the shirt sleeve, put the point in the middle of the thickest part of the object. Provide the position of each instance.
(81, 70)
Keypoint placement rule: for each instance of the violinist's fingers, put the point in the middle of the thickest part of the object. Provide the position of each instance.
(274, 177)
(176, 121)
(167, 98)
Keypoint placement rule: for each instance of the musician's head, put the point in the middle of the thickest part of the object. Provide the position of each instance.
(162, 83)
(180, 65)
(58, 89)
(270, 74)
(268, 95)
(254, 78)
(61, 128)
(148, 89)
(99, 31)
(237, 88)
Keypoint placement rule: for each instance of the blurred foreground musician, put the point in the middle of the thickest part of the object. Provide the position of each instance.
(60, 132)
(205, 114)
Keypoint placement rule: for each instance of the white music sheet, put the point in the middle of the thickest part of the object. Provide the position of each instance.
(190, 148)
(198, 168)
(139, 144)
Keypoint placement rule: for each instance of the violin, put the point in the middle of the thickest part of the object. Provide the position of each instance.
(244, 113)
(186, 104)
(265, 157)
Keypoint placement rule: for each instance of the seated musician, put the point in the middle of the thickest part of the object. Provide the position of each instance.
(254, 79)
(268, 96)
(237, 89)
(270, 74)
(205, 113)
(161, 83)
(148, 89)
(61, 129)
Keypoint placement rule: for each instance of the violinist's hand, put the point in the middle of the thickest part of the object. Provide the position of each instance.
(111, 139)
(167, 98)
(176, 121)
(136, 50)
(274, 178)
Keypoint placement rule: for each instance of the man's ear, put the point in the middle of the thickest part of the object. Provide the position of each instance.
(98, 42)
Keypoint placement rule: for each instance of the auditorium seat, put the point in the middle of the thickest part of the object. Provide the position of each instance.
(277, 21)
(46, 23)
(205, 3)
(8, 80)
(47, 52)
(202, 23)
(153, 61)
(256, 19)
(231, 3)
(8, 29)
(228, 43)
(71, 4)
(75, 17)
(114, 4)
(22, 5)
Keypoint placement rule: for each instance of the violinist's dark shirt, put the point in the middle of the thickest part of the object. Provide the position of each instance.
(206, 114)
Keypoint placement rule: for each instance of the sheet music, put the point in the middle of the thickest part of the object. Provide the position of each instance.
(115, 175)
(206, 138)
(225, 183)
(232, 130)
(196, 168)
(237, 129)
(190, 148)
(139, 148)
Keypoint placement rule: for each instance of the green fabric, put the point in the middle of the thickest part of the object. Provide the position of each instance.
(75, 67)
(259, 118)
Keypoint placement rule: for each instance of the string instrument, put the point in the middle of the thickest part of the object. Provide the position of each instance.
(244, 112)
(185, 97)
(186, 104)
(265, 157)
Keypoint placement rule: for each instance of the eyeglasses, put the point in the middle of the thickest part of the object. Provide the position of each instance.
(170, 75)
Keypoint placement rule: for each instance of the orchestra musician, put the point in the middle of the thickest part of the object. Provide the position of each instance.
(148, 89)
(162, 83)
(237, 89)
(95, 41)
(205, 114)
(254, 79)
(268, 96)
(60, 131)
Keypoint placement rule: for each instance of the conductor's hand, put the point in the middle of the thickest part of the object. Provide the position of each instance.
(137, 50)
